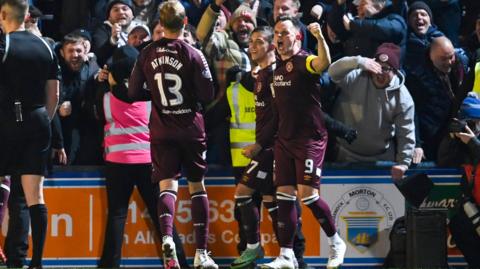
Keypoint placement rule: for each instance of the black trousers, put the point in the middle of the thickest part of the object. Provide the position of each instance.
(120, 182)
(16, 242)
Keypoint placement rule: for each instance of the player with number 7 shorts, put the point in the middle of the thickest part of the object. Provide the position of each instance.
(258, 175)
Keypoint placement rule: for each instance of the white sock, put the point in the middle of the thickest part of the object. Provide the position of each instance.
(166, 237)
(200, 251)
(253, 246)
(334, 239)
(287, 252)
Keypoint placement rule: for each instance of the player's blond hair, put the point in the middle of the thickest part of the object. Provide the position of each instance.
(172, 15)
(17, 9)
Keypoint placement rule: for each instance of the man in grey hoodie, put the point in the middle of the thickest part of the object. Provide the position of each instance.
(374, 101)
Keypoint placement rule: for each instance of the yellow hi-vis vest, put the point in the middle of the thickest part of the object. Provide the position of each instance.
(242, 121)
(476, 84)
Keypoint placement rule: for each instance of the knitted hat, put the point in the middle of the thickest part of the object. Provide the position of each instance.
(388, 53)
(245, 12)
(470, 108)
(420, 5)
(111, 3)
(134, 26)
(122, 63)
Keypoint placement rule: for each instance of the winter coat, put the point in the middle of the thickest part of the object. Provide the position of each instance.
(384, 118)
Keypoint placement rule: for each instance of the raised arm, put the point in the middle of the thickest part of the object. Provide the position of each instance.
(323, 60)
(339, 69)
(206, 25)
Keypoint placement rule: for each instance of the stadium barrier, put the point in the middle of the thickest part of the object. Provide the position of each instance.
(364, 203)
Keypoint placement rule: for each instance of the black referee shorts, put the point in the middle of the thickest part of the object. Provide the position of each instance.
(25, 156)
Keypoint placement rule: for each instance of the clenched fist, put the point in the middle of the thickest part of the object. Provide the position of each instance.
(316, 30)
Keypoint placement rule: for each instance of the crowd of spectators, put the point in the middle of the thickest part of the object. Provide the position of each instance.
(438, 41)
(400, 72)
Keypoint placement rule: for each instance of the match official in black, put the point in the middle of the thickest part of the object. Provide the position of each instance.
(29, 79)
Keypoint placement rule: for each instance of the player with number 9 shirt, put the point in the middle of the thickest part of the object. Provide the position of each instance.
(301, 139)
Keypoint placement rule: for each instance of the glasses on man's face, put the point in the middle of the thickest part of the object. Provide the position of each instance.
(386, 69)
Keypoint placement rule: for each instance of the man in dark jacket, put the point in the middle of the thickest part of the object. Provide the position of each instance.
(421, 32)
(376, 23)
(113, 32)
(448, 16)
(437, 90)
(78, 130)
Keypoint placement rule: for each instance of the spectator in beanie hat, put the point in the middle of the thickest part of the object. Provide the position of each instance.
(417, 11)
(113, 32)
(421, 32)
(388, 58)
(245, 12)
(375, 89)
(112, 3)
(225, 48)
(242, 23)
(470, 107)
(138, 34)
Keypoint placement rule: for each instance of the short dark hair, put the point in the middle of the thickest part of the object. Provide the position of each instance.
(296, 3)
(19, 8)
(172, 15)
(72, 39)
(295, 21)
(266, 31)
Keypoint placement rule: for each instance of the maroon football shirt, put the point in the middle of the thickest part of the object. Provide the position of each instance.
(297, 99)
(266, 123)
(179, 79)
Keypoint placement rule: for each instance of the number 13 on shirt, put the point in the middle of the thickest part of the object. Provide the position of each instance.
(175, 89)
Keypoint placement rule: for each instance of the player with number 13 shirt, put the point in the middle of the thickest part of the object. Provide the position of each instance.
(179, 79)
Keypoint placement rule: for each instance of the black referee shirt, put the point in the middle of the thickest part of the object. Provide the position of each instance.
(26, 63)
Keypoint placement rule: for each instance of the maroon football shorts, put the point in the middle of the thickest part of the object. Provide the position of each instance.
(299, 162)
(258, 174)
(171, 157)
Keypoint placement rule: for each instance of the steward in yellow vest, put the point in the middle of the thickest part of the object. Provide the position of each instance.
(242, 120)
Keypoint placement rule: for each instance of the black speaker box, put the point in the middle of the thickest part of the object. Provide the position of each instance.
(427, 238)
